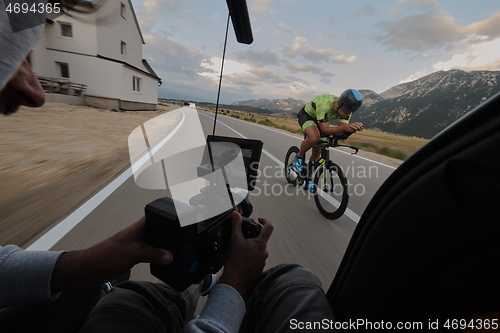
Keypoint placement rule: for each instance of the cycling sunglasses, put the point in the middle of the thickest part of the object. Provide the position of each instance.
(346, 109)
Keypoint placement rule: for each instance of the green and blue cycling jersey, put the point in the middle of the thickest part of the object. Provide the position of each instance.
(319, 110)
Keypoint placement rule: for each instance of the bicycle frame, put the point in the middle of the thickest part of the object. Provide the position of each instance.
(324, 161)
(331, 175)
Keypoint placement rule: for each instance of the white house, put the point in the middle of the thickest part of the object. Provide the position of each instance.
(102, 50)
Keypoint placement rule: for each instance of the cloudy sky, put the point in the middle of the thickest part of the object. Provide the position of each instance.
(303, 48)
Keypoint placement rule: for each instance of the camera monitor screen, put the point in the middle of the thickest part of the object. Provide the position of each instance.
(223, 153)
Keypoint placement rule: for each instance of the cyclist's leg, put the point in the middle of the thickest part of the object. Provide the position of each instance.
(316, 151)
(312, 137)
(315, 155)
(311, 133)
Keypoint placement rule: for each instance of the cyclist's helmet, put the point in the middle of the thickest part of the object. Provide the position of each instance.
(350, 100)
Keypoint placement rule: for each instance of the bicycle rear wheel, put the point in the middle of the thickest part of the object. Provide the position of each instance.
(331, 195)
(290, 172)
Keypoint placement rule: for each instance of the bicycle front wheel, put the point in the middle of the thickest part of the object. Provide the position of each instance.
(290, 172)
(331, 195)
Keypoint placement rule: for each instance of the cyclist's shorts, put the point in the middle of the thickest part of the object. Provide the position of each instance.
(305, 120)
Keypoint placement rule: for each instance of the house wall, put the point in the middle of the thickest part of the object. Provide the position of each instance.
(98, 34)
(149, 87)
(90, 71)
(117, 29)
(65, 99)
(83, 40)
(39, 56)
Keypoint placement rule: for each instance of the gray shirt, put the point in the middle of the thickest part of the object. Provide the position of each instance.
(223, 313)
(25, 275)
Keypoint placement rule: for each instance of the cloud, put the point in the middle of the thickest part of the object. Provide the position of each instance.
(484, 56)
(413, 5)
(343, 59)
(419, 32)
(257, 58)
(309, 69)
(215, 18)
(327, 55)
(278, 84)
(175, 57)
(284, 30)
(435, 30)
(147, 21)
(175, 12)
(489, 28)
(368, 9)
(165, 6)
(230, 66)
(319, 55)
(261, 6)
(269, 76)
(299, 43)
(414, 77)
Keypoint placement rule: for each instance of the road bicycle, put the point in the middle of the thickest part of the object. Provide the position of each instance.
(331, 187)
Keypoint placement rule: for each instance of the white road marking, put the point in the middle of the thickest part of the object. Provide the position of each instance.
(299, 138)
(54, 235)
(49, 239)
(349, 213)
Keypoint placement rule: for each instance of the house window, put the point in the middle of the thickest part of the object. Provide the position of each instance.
(63, 69)
(66, 30)
(136, 84)
(123, 10)
(123, 48)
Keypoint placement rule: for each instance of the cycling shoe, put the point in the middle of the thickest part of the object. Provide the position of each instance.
(311, 187)
(298, 164)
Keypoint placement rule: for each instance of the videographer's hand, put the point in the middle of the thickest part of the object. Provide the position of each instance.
(108, 259)
(246, 257)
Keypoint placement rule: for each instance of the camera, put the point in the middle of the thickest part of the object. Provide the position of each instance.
(200, 248)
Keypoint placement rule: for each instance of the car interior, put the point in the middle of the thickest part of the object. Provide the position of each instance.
(427, 246)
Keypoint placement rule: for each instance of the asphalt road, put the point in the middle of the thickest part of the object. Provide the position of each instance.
(301, 234)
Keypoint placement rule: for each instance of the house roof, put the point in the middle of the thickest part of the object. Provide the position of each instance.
(136, 22)
(149, 68)
(150, 72)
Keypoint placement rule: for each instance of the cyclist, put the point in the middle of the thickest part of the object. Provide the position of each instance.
(314, 120)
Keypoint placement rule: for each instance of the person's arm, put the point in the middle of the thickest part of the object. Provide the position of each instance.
(331, 130)
(225, 308)
(223, 312)
(107, 260)
(342, 126)
(25, 275)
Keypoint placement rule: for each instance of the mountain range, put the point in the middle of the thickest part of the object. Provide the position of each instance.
(422, 107)
(279, 107)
